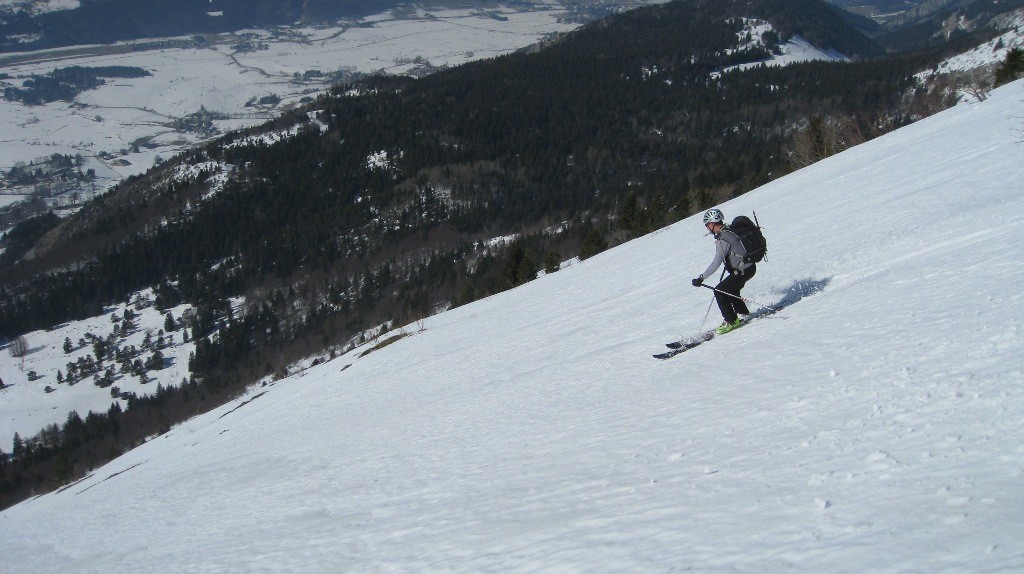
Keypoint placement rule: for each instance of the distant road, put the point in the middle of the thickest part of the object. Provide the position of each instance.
(43, 56)
(63, 53)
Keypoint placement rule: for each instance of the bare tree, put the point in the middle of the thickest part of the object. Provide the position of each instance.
(824, 137)
(19, 348)
(977, 83)
(938, 93)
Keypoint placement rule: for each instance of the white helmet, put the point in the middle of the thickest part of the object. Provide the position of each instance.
(714, 215)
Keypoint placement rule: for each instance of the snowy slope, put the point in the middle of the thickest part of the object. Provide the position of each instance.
(875, 423)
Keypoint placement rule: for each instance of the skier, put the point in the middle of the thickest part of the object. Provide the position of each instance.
(728, 250)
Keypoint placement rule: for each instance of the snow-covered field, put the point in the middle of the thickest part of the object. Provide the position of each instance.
(9, 198)
(37, 6)
(125, 112)
(876, 423)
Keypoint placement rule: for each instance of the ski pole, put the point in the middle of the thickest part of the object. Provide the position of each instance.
(744, 299)
(707, 313)
(710, 304)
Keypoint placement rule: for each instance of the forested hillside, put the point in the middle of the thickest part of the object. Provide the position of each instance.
(377, 204)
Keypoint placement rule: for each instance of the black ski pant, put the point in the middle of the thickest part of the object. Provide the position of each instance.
(731, 304)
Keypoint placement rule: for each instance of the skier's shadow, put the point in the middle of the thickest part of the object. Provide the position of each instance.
(795, 293)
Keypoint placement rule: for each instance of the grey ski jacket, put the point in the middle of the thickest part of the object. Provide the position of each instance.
(729, 250)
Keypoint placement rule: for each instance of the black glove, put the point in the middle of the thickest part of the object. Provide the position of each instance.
(698, 282)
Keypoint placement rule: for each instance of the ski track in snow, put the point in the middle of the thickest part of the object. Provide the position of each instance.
(875, 423)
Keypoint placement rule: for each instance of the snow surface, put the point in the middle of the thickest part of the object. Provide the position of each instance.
(876, 423)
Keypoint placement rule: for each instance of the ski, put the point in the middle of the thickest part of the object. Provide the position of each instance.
(685, 345)
(691, 341)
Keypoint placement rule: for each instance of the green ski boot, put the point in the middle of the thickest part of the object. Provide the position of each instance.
(726, 327)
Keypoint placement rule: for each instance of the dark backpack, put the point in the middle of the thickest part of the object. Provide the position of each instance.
(751, 237)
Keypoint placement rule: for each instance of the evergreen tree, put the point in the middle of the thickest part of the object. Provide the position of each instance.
(631, 217)
(657, 212)
(552, 262)
(99, 348)
(156, 361)
(128, 322)
(63, 469)
(1011, 68)
(593, 243)
(517, 268)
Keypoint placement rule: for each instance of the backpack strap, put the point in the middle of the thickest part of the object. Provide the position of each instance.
(725, 258)
(732, 243)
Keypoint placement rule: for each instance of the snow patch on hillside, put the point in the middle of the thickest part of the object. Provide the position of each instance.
(383, 160)
(265, 139)
(191, 171)
(216, 174)
(794, 51)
